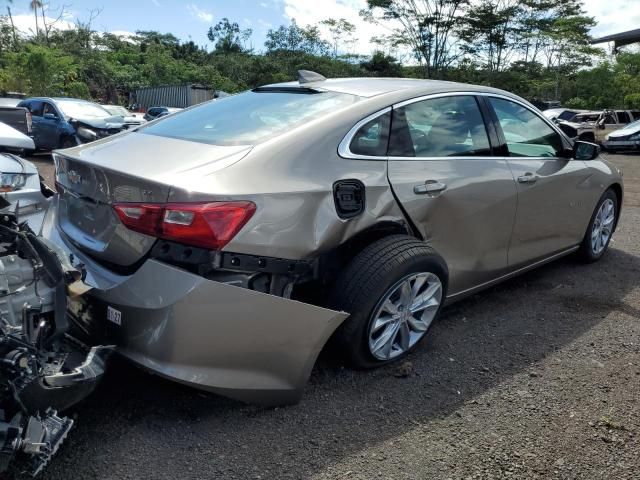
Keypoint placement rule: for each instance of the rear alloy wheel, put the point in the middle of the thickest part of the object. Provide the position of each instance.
(393, 290)
(404, 315)
(603, 221)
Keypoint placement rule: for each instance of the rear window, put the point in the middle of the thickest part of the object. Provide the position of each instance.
(623, 117)
(567, 115)
(248, 118)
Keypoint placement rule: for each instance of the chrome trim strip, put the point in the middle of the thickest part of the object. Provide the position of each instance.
(514, 273)
(343, 148)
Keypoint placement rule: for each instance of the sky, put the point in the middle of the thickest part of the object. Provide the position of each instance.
(189, 20)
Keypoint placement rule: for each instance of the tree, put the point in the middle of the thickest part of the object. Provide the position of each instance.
(341, 31)
(293, 38)
(35, 5)
(228, 37)
(382, 65)
(491, 32)
(425, 26)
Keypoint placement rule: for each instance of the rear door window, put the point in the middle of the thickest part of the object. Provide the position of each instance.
(36, 107)
(439, 127)
(372, 138)
(527, 135)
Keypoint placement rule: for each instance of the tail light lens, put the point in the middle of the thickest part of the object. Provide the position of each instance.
(207, 225)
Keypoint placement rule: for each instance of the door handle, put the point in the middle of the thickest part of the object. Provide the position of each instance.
(528, 178)
(430, 186)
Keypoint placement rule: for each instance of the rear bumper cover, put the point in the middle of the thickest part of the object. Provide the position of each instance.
(243, 344)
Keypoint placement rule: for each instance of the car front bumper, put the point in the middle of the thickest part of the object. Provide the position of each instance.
(621, 145)
(240, 343)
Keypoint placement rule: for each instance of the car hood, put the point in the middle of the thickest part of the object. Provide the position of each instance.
(623, 132)
(13, 164)
(12, 138)
(102, 123)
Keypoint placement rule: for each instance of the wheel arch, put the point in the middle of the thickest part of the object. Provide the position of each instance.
(617, 189)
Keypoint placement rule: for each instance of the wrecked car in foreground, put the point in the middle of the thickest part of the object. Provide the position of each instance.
(43, 368)
(228, 243)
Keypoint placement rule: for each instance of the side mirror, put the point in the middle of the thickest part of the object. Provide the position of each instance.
(585, 150)
(50, 116)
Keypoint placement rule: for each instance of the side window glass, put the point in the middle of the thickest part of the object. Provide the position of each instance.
(609, 120)
(48, 108)
(372, 138)
(623, 117)
(35, 108)
(440, 127)
(527, 135)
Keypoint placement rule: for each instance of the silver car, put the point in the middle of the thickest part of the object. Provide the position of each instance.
(229, 243)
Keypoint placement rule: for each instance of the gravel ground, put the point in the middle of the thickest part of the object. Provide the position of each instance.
(536, 378)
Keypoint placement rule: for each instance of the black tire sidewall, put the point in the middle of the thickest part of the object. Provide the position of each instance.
(353, 335)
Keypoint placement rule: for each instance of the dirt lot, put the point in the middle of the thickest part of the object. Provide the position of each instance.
(536, 378)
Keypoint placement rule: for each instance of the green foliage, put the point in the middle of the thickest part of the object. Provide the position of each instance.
(534, 48)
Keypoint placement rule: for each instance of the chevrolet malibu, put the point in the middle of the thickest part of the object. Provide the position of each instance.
(229, 243)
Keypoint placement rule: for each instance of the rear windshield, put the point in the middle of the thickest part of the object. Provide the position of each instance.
(248, 118)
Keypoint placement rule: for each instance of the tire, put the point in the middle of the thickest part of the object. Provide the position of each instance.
(385, 270)
(68, 142)
(588, 251)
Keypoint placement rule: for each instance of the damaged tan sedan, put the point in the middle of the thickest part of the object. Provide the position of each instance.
(229, 243)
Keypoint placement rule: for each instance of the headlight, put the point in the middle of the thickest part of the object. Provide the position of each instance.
(635, 137)
(86, 133)
(10, 182)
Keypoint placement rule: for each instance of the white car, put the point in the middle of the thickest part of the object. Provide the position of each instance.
(561, 113)
(627, 138)
(20, 184)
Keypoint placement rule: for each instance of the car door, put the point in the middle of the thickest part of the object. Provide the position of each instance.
(551, 194)
(49, 126)
(460, 197)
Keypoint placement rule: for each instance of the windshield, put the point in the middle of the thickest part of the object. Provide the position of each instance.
(81, 109)
(116, 110)
(249, 118)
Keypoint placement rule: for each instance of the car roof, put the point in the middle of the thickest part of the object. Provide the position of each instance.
(57, 99)
(371, 87)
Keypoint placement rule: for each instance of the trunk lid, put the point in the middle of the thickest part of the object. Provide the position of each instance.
(131, 168)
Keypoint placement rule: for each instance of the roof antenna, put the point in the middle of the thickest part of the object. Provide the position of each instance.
(307, 76)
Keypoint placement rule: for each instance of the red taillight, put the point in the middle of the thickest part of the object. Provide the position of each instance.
(208, 225)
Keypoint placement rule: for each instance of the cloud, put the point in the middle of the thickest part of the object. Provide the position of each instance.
(613, 16)
(201, 15)
(26, 23)
(306, 12)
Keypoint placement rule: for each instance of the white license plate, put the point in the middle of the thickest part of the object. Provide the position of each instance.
(114, 315)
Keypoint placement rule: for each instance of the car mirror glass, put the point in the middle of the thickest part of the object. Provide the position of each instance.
(585, 151)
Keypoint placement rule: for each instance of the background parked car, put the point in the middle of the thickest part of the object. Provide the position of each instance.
(14, 116)
(626, 138)
(20, 183)
(66, 122)
(561, 113)
(595, 126)
(156, 112)
(130, 118)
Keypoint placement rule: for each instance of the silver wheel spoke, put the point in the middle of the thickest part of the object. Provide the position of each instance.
(422, 301)
(404, 314)
(384, 321)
